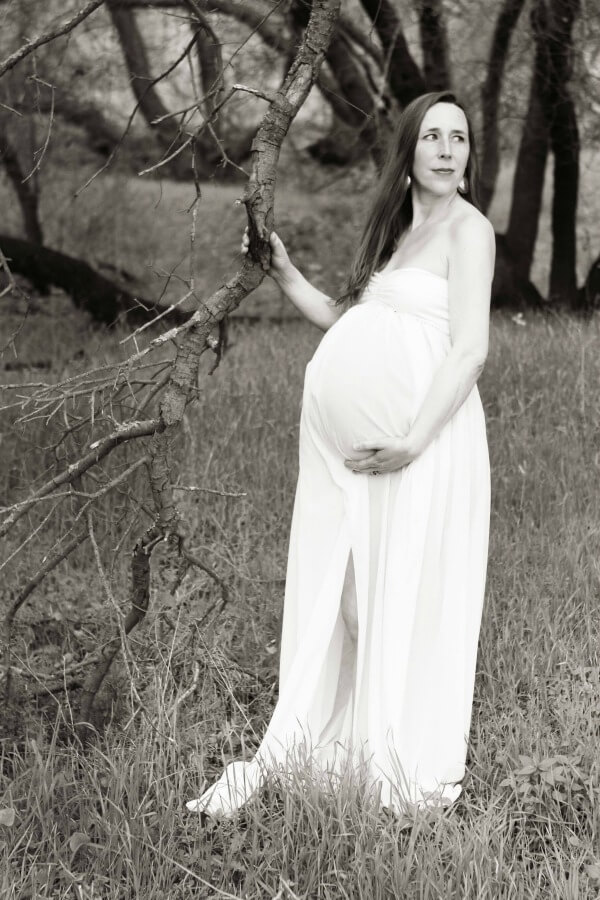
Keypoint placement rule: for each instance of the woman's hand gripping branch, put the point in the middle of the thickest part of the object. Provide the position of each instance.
(314, 305)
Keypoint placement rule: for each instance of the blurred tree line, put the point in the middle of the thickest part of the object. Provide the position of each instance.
(526, 68)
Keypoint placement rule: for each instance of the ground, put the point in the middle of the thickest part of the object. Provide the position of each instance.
(108, 821)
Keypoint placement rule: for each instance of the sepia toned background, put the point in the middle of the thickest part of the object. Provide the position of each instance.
(151, 382)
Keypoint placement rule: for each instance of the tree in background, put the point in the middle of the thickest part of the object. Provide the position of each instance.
(125, 419)
(380, 57)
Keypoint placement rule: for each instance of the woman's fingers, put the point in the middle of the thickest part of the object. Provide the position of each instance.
(274, 240)
(363, 464)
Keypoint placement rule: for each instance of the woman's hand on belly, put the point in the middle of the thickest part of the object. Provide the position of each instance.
(384, 454)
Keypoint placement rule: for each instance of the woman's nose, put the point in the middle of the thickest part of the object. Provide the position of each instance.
(444, 150)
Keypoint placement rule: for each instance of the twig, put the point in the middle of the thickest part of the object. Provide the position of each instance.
(107, 588)
(169, 158)
(150, 85)
(42, 152)
(41, 573)
(188, 691)
(11, 280)
(99, 450)
(190, 487)
(158, 317)
(48, 36)
(30, 536)
(195, 561)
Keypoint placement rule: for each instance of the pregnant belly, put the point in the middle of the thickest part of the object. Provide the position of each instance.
(365, 380)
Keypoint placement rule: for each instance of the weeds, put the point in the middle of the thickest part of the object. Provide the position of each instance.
(108, 822)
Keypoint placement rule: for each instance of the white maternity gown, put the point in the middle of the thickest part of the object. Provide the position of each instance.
(418, 540)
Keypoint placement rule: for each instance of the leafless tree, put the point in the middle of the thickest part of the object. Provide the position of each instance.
(136, 408)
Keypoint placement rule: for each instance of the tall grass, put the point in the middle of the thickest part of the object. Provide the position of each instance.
(109, 821)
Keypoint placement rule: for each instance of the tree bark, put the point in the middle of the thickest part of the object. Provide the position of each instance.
(434, 42)
(490, 96)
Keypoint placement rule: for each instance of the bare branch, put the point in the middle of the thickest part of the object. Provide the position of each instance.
(48, 36)
(99, 450)
(200, 564)
(192, 488)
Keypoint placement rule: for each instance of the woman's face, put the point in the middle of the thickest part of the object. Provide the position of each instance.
(442, 149)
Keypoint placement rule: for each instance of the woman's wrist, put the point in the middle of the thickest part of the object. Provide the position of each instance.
(285, 277)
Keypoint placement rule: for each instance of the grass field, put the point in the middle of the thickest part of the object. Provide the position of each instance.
(110, 822)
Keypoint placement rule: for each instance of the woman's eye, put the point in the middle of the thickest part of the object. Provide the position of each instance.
(429, 136)
(459, 137)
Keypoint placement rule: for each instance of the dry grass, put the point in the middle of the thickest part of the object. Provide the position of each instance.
(109, 822)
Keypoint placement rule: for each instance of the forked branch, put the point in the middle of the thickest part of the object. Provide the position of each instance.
(11, 61)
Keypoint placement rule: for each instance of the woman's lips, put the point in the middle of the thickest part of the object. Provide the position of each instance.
(444, 171)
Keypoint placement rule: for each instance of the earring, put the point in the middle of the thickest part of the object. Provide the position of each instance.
(408, 181)
(463, 185)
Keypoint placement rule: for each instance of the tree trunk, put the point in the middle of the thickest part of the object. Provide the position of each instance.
(28, 198)
(528, 180)
(551, 118)
(565, 146)
(434, 42)
(564, 140)
(490, 96)
(588, 295)
(344, 144)
(215, 145)
(151, 106)
(102, 298)
(210, 61)
(404, 76)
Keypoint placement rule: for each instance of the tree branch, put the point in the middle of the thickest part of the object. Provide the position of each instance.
(16, 57)
(99, 450)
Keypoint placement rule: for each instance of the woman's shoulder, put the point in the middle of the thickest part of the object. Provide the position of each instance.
(469, 223)
(472, 239)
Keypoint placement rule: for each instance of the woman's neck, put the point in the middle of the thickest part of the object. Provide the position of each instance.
(429, 208)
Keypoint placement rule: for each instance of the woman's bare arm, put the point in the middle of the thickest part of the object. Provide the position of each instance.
(314, 305)
(469, 290)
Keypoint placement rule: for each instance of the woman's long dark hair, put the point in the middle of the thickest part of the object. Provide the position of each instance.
(391, 210)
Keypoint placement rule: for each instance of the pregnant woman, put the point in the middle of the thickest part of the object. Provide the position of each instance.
(389, 536)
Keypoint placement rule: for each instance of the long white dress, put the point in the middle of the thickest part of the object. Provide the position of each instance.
(418, 540)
